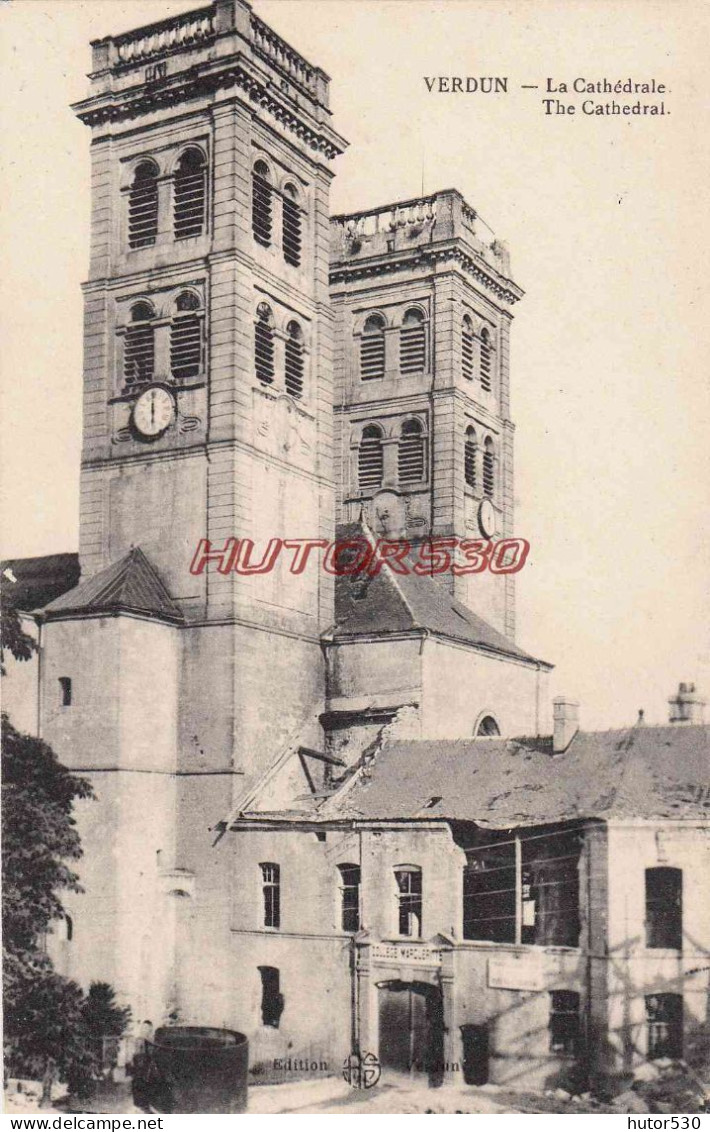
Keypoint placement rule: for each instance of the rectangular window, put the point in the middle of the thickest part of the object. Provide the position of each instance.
(65, 691)
(664, 1020)
(272, 1001)
(524, 890)
(664, 908)
(350, 897)
(489, 894)
(409, 894)
(550, 890)
(271, 888)
(564, 1023)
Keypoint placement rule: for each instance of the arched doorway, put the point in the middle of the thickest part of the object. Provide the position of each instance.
(411, 1019)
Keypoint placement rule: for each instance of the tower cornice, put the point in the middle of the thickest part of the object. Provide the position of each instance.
(429, 258)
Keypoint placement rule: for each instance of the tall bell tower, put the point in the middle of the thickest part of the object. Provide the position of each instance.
(207, 416)
(423, 297)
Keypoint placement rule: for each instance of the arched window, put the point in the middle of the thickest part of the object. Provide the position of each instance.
(186, 337)
(294, 360)
(264, 344)
(291, 226)
(370, 462)
(139, 347)
(261, 204)
(411, 453)
(664, 908)
(372, 348)
(469, 457)
(349, 897)
(488, 468)
(143, 206)
(189, 195)
(271, 892)
(467, 348)
(487, 728)
(412, 343)
(409, 900)
(486, 361)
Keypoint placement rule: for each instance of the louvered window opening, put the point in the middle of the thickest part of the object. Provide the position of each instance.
(412, 348)
(138, 355)
(370, 461)
(261, 215)
(291, 233)
(294, 367)
(143, 208)
(488, 472)
(186, 346)
(190, 197)
(411, 455)
(469, 461)
(372, 356)
(486, 363)
(467, 353)
(264, 352)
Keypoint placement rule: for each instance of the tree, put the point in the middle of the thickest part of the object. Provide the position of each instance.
(39, 837)
(44, 1025)
(13, 638)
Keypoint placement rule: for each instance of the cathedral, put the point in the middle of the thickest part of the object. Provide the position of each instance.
(332, 811)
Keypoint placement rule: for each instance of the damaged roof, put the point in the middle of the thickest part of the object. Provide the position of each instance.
(391, 603)
(129, 585)
(642, 772)
(38, 580)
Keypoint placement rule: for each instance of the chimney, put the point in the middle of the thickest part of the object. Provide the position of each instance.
(566, 723)
(686, 706)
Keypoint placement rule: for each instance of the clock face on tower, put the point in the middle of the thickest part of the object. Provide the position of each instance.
(154, 411)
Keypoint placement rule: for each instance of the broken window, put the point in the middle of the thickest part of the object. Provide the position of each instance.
(564, 1022)
(409, 897)
(664, 1021)
(350, 897)
(489, 893)
(271, 888)
(664, 908)
(272, 1001)
(524, 890)
(550, 890)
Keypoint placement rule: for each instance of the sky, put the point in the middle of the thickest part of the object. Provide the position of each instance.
(607, 225)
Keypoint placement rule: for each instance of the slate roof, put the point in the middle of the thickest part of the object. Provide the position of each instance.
(390, 603)
(39, 580)
(641, 772)
(129, 585)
